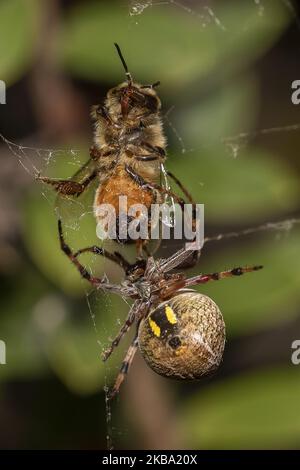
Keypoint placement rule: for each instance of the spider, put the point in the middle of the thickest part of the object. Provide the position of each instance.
(180, 332)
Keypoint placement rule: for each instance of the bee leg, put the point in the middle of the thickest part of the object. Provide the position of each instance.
(140, 246)
(156, 150)
(193, 259)
(195, 255)
(187, 195)
(68, 187)
(155, 188)
(95, 153)
(203, 278)
(139, 249)
(156, 153)
(152, 186)
(124, 367)
(146, 158)
(182, 187)
(100, 113)
(145, 248)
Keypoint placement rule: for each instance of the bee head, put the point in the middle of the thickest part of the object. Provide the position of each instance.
(134, 98)
(131, 95)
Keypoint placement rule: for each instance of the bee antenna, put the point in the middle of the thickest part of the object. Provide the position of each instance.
(154, 85)
(128, 75)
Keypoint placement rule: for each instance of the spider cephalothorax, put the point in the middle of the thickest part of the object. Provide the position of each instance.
(180, 332)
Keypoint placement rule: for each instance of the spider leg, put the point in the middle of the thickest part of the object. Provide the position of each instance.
(67, 250)
(123, 330)
(125, 367)
(126, 291)
(203, 278)
(116, 257)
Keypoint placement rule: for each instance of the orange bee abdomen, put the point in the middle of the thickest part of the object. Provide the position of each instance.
(120, 192)
(121, 184)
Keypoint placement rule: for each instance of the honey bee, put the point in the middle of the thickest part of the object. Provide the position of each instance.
(128, 154)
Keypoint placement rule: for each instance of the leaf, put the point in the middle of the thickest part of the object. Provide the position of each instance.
(24, 358)
(92, 28)
(252, 187)
(18, 33)
(219, 112)
(259, 299)
(74, 351)
(258, 410)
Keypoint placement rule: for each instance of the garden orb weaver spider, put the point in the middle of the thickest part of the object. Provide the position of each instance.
(180, 332)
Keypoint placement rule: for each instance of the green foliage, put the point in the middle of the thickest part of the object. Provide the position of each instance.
(18, 32)
(260, 299)
(253, 186)
(150, 42)
(17, 326)
(74, 351)
(253, 411)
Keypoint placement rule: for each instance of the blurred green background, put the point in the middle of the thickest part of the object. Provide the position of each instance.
(225, 68)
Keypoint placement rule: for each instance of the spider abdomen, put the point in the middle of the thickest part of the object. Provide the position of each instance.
(184, 337)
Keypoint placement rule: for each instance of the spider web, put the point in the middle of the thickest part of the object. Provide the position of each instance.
(45, 161)
(205, 13)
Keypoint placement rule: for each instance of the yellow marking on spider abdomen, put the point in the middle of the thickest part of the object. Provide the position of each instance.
(154, 327)
(171, 317)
